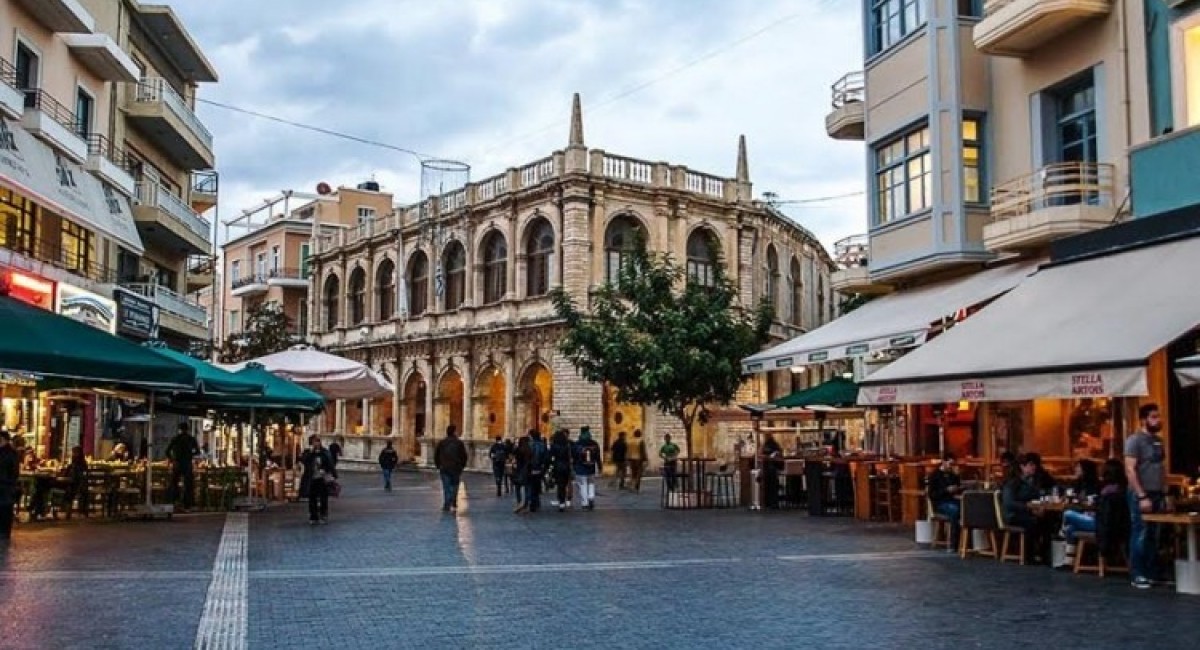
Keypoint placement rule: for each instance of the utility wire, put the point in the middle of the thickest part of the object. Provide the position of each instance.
(817, 199)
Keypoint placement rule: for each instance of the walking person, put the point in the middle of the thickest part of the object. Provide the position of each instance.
(499, 455)
(1147, 479)
(388, 460)
(10, 471)
(519, 471)
(314, 482)
(181, 451)
(560, 468)
(450, 458)
(619, 454)
(635, 456)
(539, 459)
(586, 463)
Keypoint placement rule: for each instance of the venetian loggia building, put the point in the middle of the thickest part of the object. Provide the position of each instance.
(450, 297)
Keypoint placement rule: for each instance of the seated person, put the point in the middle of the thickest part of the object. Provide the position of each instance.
(1041, 478)
(1112, 484)
(943, 485)
(1017, 493)
(1087, 478)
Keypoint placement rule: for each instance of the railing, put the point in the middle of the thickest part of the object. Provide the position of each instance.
(247, 280)
(286, 274)
(852, 251)
(8, 74)
(848, 89)
(704, 184)
(55, 255)
(206, 182)
(170, 301)
(1060, 184)
(490, 188)
(627, 169)
(534, 173)
(154, 90)
(200, 264)
(98, 145)
(992, 6)
(148, 193)
(452, 200)
(40, 100)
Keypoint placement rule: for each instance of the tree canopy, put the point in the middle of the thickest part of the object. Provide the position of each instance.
(663, 339)
(268, 330)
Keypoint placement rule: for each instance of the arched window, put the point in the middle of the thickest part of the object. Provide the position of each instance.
(772, 283)
(330, 298)
(539, 248)
(797, 294)
(619, 241)
(495, 267)
(822, 317)
(358, 296)
(701, 265)
(385, 289)
(454, 261)
(418, 284)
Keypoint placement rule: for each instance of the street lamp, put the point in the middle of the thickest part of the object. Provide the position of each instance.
(756, 411)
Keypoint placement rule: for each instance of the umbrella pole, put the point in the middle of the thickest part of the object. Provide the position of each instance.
(150, 454)
(250, 460)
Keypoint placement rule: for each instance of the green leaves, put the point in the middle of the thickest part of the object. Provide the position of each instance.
(267, 331)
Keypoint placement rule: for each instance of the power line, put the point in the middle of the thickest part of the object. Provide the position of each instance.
(818, 199)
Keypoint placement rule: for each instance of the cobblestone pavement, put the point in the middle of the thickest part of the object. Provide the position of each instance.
(392, 571)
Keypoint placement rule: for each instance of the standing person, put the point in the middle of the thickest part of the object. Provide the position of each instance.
(388, 460)
(620, 459)
(335, 451)
(77, 485)
(499, 455)
(635, 456)
(181, 451)
(10, 471)
(669, 453)
(318, 470)
(1147, 483)
(587, 462)
(450, 458)
(539, 458)
(772, 453)
(560, 468)
(519, 468)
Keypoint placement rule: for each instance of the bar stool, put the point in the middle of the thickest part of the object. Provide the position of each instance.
(941, 526)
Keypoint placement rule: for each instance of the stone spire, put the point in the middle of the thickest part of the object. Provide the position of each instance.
(743, 167)
(576, 123)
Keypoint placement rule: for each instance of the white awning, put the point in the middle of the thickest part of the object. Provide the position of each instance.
(1188, 371)
(1077, 330)
(898, 320)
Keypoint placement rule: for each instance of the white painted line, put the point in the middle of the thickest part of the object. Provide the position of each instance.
(862, 557)
(393, 572)
(129, 576)
(223, 625)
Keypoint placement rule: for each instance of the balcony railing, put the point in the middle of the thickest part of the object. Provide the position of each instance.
(287, 274)
(99, 145)
(155, 90)
(8, 74)
(248, 280)
(852, 251)
(1057, 185)
(41, 101)
(206, 182)
(149, 193)
(199, 264)
(850, 88)
(54, 254)
(170, 301)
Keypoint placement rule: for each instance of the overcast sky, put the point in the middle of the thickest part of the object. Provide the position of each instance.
(489, 82)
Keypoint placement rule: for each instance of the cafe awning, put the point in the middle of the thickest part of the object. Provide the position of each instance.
(1082, 329)
(278, 394)
(1187, 370)
(898, 320)
(836, 392)
(211, 380)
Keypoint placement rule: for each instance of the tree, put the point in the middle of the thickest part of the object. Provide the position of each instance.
(854, 301)
(267, 331)
(662, 346)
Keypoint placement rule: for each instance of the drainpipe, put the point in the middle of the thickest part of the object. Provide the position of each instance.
(1123, 25)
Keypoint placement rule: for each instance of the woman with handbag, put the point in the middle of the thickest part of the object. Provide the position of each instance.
(315, 482)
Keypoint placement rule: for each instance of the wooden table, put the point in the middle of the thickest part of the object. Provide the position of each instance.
(1187, 571)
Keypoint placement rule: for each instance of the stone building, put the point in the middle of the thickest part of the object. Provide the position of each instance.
(450, 297)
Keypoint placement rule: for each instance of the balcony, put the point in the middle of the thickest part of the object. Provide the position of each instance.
(162, 115)
(12, 100)
(199, 273)
(101, 54)
(166, 220)
(853, 277)
(249, 285)
(110, 164)
(1018, 27)
(53, 262)
(204, 191)
(54, 124)
(169, 34)
(1162, 173)
(287, 278)
(176, 313)
(847, 120)
(1054, 202)
(63, 16)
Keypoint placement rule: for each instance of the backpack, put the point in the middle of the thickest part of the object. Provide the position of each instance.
(537, 460)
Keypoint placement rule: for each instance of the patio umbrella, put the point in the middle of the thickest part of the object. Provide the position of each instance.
(332, 376)
(1187, 370)
(835, 393)
(210, 379)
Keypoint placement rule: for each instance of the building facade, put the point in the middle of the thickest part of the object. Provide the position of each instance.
(450, 297)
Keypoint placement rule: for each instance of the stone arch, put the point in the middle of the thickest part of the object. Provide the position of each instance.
(490, 400)
(535, 396)
(415, 421)
(356, 294)
(618, 243)
(796, 304)
(416, 275)
(454, 268)
(448, 401)
(494, 253)
(704, 252)
(385, 289)
(538, 246)
(771, 276)
(331, 299)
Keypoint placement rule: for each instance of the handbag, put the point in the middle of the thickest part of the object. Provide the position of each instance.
(335, 488)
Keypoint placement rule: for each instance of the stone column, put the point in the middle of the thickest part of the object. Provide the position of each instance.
(510, 371)
(468, 378)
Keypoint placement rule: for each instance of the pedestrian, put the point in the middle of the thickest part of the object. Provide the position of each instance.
(388, 460)
(77, 484)
(620, 459)
(669, 454)
(587, 462)
(450, 457)
(518, 464)
(499, 455)
(314, 482)
(1147, 479)
(335, 451)
(181, 451)
(560, 468)
(539, 459)
(635, 456)
(10, 471)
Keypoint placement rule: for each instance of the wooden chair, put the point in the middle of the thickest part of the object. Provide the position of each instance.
(1010, 531)
(979, 512)
(1082, 543)
(941, 526)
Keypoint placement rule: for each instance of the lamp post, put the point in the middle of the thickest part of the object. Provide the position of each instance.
(756, 411)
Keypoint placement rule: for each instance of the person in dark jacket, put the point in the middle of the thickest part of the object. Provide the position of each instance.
(10, 471)
(77, 485)
(536, 464)
(450, 457)
(944, 486)
(1041, 478)
(772, 461)
(560, 467)
(182, 451)
(499, 456)
(1111, 483)
(619, 452)
(314, 482)
(586, 463)
(520, 471)
(1087, 478)
(388, 460)
(1018, 492)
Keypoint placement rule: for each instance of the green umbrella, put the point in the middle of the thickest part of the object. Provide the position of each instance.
(836, 392)
(278, 394)
(210, 379)
(57, 348)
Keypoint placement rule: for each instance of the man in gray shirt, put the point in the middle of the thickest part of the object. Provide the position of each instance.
(1144, 454)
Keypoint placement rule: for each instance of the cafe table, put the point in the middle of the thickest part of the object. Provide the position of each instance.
(1187, 571)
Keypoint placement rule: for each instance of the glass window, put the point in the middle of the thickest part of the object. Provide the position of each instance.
(274, 258)
(1191, 74)
(83, 112)
(701, 265)
(77, 247)
(495, 268)
(358, 296)
(418, 284)
(1072, 179)
(304, 253)
(18, 223)
(972, 161)
(385, 288)
(903, 176)
(619, 241)
(365, 215)
(332, 291)
(892, 20)
(455, 263)
(261, 265)
(772, 277)
(797, 293)
(538, 252)
(235, 271)
(970, 8)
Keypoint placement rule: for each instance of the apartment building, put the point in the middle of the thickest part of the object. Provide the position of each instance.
(97, 208)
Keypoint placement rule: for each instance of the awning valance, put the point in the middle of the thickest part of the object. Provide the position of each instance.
(898, 320)
(1083, 329)
(1188, 371)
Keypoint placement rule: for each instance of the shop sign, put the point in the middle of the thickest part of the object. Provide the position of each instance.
(783, 363)
(137, 317)
(1088, 384)
(819, 356)
(27, 288)
(886, 395)
(24, 380)
(973, 391)
(860, 348)
(902, 341)
(87, 307)
(754, 367)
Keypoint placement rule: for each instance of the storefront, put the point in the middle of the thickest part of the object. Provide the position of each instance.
(28, 288)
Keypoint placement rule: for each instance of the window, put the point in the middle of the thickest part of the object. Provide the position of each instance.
(77, 247)
(903, 176)
(1190, 44)
(970, 8)
(619, 242)
(822, 317)
(84, 109)
(495, 268)
(18, 223)
(972, 155)
(330, 300)
(701, 257)
(358, 296)
(1075, 151)
(260, 265)
(454, 260)
(892, 20)
(302, 319)
(235, 271)
(304, 253)
(772, 277)
(418, 284)
(538, 250)
(28, 67)
(274, 258)
(797, 294)
(234, 323)
(365, 214)
(385, 289)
